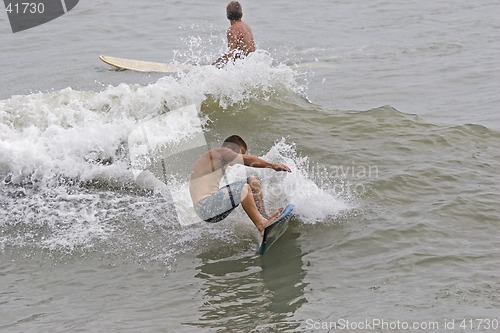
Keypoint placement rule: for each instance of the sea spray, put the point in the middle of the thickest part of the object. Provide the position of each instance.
(313, 203)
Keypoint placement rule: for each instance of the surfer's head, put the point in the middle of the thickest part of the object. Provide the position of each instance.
(236, 143)
(234, 11)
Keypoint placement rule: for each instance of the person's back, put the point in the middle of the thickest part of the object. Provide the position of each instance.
(207, 173)
(240, 37)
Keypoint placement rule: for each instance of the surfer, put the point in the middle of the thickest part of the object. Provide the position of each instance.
(213, 204)
(239, 36)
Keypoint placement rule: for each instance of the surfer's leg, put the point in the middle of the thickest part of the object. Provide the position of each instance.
(252, 211)
(258, 197)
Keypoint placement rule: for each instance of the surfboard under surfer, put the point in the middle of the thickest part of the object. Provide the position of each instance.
(239, 36)
(213, 204)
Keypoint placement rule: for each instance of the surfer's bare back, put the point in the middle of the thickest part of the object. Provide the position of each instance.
(239, 36)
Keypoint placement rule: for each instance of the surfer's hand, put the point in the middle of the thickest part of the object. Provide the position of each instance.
(281, 167)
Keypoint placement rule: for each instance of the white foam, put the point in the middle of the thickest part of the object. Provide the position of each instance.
(47, 135)
(312, 202)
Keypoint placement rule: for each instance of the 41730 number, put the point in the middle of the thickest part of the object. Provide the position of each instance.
(25, 8)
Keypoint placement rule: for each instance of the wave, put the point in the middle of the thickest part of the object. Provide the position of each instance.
(66, 170)
(81, 134)
(67, 173)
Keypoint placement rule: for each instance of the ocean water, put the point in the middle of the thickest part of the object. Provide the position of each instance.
(386, 111)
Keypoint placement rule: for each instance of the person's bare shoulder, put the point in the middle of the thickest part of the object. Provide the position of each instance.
(234, 30)
(246, 26)
(227, 156)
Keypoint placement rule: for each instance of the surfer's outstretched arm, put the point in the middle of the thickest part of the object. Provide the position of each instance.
(257, 162)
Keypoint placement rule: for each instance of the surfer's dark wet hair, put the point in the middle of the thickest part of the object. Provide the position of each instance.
(233, 142)
(234, 11)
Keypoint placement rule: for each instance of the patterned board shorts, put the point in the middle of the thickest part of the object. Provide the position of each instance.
(219, 205)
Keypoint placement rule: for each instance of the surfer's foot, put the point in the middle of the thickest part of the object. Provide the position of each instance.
(270, 220)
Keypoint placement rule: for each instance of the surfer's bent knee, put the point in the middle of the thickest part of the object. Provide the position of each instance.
(246, 189)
